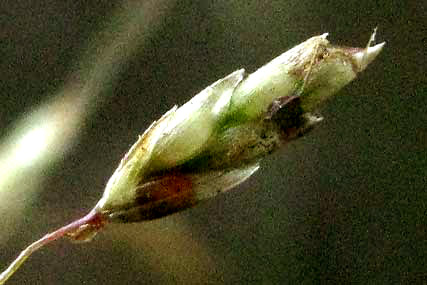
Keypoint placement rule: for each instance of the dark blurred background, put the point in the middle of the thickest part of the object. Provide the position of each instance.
(345, 204)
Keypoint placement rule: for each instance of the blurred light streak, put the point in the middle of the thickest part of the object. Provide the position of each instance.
(53, 126)
(45, 135)
(33, 144)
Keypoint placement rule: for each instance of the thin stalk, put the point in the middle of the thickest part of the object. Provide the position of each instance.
(93, 219)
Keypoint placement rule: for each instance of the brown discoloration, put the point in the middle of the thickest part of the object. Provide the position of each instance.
(167, 194)
(171, 184)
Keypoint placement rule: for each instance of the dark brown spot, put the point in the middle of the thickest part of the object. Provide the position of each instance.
(163, 196)
(286, 112)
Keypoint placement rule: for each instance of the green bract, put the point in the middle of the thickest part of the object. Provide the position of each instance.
(215, 141)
